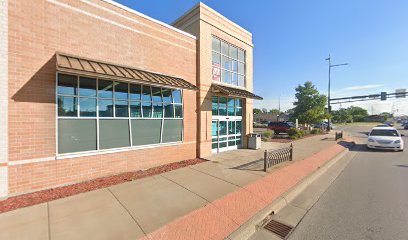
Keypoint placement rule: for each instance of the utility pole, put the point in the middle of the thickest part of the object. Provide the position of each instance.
(328, 94)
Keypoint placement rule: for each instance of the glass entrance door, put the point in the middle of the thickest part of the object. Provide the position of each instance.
(226, 123)
(226, 134)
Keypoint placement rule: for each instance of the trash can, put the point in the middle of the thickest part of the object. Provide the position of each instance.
(254, 141)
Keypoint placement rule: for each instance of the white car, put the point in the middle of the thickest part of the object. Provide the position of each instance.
(385, 138)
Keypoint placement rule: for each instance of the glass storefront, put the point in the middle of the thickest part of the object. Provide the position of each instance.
(226, 123)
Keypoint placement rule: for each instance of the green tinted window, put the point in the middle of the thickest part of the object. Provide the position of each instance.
(113, 133)
(76, 135)
(172, 130)
(145, 131)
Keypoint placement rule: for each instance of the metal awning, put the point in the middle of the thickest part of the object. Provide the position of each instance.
(233, 92)
(79, 65)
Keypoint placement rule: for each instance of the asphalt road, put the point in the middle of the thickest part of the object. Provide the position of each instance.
(368, 200)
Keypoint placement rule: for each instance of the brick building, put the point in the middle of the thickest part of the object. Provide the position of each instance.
(95, 88)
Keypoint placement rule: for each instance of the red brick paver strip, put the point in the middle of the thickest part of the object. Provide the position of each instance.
(220, 218)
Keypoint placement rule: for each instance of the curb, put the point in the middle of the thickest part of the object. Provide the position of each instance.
(250, 227)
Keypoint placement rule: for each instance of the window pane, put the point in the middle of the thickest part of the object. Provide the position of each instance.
(216, 74)
(222, 111)
(87, 107)
(166, 95)
(135, 92)
(231, 111)
(214, 129)
(224, 48)
(135, 110)
(145, 131)
(168, 110)
(238, 102)
(105, 107)
(222, 128)
(241, 81)
(241, 68)
(146, 96)
(178, 111)
(238, 141)
(67, 84)
(238, 127)
(215, 44)
(241, 55)
(157, 110)
(215, 100)
(172, 131)
(226, 77)
(226, 63)
(67, 106)
(156, 93)
(231, 102)
(121, 108)
(233, 52)
(113, 133)
(147, 109)
(238, 111)
(234, 66)
(222, 101)
(231, 127)
(87, 87)
(105, 89)
(216, 59)
(214, 110)
(76, 135)
(121, 91)
(234, 79)
(177, 96)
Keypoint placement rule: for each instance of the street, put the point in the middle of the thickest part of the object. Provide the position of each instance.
(368, 200)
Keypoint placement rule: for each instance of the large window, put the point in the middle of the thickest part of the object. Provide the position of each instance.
(96, 114)
(228, 63)
(223, 106)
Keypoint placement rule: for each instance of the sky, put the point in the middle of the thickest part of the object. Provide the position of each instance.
(292, 39)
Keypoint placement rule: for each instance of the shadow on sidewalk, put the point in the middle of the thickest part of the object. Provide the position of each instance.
(256, 165)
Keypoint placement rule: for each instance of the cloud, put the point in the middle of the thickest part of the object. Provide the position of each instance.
(360, 88)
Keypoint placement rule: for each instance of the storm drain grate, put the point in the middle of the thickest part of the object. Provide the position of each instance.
(278, 228)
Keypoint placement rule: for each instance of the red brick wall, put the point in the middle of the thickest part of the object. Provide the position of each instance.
(37, 29)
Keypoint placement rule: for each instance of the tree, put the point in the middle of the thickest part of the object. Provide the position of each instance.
(275, 111)
(342, 115)
(310, 104)
(257, 111)
(357, 113)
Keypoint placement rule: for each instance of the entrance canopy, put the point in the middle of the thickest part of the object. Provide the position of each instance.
(233, 92)
(79, 65)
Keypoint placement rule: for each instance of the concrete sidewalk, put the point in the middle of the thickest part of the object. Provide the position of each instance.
(205, 201)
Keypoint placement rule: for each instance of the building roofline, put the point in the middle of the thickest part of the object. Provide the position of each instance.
(201, 4)
(128, 9)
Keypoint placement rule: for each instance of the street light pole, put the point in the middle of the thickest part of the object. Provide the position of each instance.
(328, 94)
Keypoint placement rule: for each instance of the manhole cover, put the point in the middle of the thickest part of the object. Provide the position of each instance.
(278, 228)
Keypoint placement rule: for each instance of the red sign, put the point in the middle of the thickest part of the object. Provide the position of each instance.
(216, 72)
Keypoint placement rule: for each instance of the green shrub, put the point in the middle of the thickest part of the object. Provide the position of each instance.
(295, 133)
(267, 134)
(316, 131)
(264, 139)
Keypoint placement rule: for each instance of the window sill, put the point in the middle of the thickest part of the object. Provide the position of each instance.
(113, 150)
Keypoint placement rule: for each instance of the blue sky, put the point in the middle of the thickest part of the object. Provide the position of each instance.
(293, 38)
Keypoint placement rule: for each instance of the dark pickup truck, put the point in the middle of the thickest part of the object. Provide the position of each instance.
(280, 127)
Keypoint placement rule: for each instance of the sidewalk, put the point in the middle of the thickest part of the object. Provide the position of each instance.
(205, 201)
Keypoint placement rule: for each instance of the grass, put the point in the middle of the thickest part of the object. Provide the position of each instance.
(360, 124)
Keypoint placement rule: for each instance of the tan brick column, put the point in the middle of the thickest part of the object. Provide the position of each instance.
(3, 98)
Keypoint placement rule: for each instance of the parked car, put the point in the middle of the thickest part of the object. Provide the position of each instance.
(280, 127)
(324, 125)
(391, 124)
(382, 125)
(385, 138)
(406, 126)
